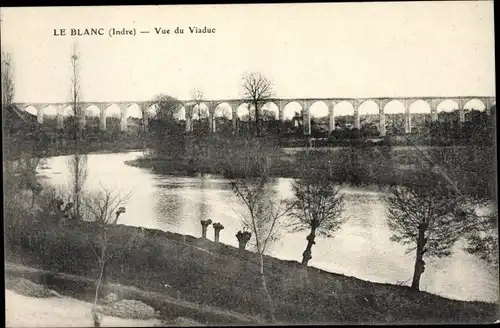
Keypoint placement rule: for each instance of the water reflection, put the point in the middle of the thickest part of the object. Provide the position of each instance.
(361, 248)
(168, 209)
(203, 208)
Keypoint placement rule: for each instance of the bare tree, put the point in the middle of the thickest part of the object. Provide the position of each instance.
(11, 132)
(78, 161)
(29, 150)
(28, 153)
(76, 92)
(318, 206)
(198, 97)
(77, 164)
(8, 90)
(426, 215)
(257, 89)
(248, 173)
(103, 208)
(27, 167)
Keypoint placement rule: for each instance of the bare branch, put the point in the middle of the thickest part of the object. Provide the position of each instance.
(257, 89)
(92, 247)
(75, 83)
(104, 204)
(318, 202)
(198, 97)
(421, 207)
(8, 84)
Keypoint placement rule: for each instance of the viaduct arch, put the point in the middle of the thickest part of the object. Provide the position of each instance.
(280, 103)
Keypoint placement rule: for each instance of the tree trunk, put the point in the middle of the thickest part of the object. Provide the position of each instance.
(419, 262)
(306, 256)
(102, 269)
(95, 316)
(77, 185)
(104, 278)
(77, 203)
(33, 198)
(266, 291)
(257, 128)
(99, 281)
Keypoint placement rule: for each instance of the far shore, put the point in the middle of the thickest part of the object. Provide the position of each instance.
(286, 167)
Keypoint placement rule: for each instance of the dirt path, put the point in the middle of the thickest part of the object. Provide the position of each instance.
(23, 311)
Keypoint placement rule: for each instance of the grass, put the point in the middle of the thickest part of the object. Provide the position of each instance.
(217, 276)
(82, 288)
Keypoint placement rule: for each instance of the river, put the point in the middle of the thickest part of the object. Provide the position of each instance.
(361, 248)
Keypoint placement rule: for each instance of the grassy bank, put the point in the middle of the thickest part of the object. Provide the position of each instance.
(222, 277)
(83, 288)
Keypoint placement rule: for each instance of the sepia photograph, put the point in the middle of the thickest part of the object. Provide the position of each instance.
(250, 164)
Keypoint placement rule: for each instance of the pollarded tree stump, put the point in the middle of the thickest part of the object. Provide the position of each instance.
(204, 226)
(217, 228)
(243, 238)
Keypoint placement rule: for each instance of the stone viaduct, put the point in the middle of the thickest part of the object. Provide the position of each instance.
(305, 104)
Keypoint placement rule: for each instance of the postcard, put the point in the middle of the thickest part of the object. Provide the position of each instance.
(250, 164)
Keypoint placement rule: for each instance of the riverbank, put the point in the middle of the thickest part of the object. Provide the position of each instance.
(203, 272)
(110, 150)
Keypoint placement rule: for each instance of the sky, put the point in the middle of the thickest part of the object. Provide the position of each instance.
(307, 50)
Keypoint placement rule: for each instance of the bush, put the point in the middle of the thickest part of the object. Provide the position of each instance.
(28, 288)
(128, 309)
